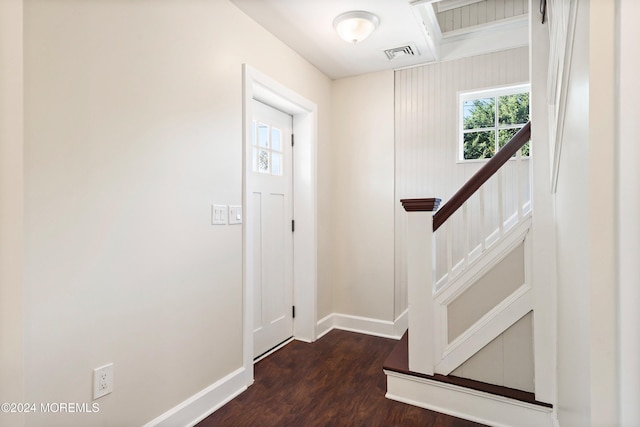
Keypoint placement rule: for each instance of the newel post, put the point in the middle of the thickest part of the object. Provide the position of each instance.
(420, 282)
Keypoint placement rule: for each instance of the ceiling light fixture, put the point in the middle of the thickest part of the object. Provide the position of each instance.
(353, 27)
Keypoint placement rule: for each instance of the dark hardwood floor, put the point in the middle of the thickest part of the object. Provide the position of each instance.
(336, 381)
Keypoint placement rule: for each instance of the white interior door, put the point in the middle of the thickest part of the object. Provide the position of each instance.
(272, 213)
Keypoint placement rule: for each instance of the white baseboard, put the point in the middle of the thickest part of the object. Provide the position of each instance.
(324, 326)
(465, 403)
(363, 325)
(401, 324)
(204, 403)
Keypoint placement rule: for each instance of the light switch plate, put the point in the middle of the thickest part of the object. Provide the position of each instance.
(218, 214)
(235, 214)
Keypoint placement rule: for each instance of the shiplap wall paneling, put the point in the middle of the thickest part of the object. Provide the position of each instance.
(426, 134)
(480, 13)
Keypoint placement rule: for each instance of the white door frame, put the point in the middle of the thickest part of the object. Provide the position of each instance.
(304, 112)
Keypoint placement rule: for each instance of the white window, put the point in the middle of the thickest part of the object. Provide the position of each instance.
(490, 118)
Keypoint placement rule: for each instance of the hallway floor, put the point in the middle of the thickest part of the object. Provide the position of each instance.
(336, 381)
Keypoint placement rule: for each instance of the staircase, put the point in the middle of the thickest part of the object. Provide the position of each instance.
(451, 255)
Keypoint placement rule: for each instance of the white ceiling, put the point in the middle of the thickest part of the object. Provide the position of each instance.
(307, 27)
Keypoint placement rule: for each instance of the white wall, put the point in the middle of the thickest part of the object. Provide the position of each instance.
(11, 182)
(572, 230)
(363, 195)
(133, 129)
(602, 212)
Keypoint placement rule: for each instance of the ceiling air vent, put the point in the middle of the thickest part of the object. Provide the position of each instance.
(398, 52)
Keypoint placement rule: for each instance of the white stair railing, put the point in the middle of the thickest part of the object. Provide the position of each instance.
(471, 231)
(425, 249)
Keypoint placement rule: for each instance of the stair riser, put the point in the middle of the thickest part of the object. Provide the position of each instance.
(465, 403)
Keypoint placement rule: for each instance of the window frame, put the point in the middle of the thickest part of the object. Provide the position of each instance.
(494, 92)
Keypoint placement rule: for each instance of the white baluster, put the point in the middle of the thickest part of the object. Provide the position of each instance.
(483, 227)
(519, 183)
(449, 231)
(465, 232)
(501, 202)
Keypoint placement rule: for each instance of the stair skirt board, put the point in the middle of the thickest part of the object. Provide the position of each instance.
(466, 403)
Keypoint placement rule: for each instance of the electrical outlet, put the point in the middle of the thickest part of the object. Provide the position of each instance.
(102, 380)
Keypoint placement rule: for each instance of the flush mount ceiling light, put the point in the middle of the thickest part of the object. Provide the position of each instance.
(353, 27)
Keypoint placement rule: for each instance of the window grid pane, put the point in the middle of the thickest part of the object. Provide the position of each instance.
(479, 113)
(479, 145)
(505, 135)
(513, 109)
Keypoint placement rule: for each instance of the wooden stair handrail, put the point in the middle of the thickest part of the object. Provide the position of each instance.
(480, 177)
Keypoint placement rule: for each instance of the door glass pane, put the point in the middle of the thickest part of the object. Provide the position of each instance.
(263, 135)
(263, 161)
(276, 139)
(276, 163)
(479, 113)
